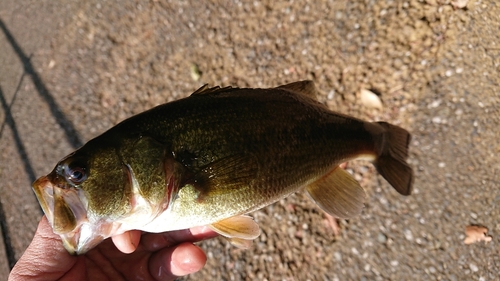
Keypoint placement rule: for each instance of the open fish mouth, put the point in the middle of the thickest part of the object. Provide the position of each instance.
(66, 211)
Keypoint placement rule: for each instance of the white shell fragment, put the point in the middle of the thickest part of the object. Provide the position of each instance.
(370, 99)
(459, 4)
(52, 63)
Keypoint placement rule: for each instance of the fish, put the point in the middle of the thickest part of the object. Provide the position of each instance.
(213, 157)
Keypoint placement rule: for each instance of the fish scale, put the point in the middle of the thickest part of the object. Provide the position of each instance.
(214, 156)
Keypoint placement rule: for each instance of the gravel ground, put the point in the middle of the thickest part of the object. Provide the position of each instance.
(71, 69)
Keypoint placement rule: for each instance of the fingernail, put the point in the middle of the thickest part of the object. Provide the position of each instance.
(182, 263)
(199, 230)
(131, 239)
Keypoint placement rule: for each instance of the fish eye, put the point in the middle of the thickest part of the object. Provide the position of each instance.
(75, 172)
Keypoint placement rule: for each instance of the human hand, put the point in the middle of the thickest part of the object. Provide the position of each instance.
(158, 256)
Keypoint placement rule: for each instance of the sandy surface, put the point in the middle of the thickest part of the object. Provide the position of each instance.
(70, 70)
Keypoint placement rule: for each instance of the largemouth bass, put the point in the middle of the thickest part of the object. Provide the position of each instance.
(213, 157)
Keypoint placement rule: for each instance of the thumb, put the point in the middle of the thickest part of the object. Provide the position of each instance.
(45, 258)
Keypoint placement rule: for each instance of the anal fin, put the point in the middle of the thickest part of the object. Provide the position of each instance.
(338, 194)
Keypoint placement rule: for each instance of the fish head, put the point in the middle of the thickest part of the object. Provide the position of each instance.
(83, 196)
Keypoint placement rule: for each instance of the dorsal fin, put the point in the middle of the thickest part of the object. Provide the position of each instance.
(305, 88)
(203, 90)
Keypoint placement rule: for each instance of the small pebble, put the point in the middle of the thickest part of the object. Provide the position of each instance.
(436, 120)
(473, 267)
(434, 104)
(195, 72)
(459, 4)
(330, 95)
(383, 200)
(381, 238)
(408, 234)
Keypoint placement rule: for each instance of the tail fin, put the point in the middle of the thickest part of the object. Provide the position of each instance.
(391, 161)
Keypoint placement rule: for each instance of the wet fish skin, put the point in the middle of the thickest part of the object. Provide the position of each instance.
(218, 154)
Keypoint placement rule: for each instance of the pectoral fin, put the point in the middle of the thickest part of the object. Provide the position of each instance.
(243, 244)
(338, 194)
(239, 227)
(225, 176)
(238, 230)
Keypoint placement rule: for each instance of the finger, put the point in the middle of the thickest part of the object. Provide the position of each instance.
(127, 242)
(172, 262)
(46, 251)
(343, 165)
(156, 241)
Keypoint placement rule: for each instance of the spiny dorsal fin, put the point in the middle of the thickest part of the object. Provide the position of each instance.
(203, 90)
(305, 88)
(338, 194)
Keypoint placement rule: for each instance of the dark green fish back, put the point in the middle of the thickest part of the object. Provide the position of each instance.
(243, 145)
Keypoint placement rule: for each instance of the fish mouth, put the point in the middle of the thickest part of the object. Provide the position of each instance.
(65, 208)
